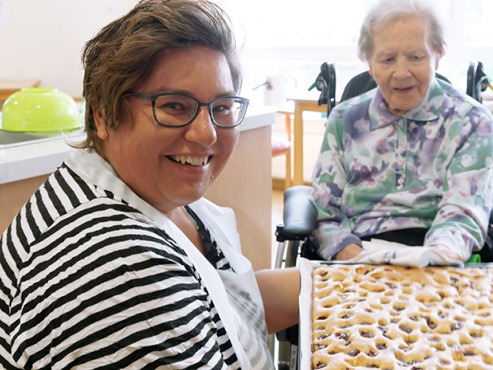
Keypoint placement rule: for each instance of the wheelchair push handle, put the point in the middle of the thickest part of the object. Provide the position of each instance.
(300, 214)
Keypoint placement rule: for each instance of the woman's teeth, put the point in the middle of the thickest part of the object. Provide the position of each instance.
(194, 161)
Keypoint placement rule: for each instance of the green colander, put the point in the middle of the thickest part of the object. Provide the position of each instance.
(39, 109)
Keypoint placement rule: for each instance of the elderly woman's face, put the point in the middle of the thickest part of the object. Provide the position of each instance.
(173, 166)
(403, 62)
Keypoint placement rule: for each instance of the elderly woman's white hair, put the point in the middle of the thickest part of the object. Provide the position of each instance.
(387, 10)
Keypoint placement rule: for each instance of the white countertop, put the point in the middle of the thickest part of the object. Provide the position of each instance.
(40, 157)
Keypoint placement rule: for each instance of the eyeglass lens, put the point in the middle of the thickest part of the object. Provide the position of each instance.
(176, 110)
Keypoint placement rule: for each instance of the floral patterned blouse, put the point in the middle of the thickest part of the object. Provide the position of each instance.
(430, 168)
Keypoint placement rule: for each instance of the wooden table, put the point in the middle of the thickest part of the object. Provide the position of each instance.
(301, 105)
(8, 87)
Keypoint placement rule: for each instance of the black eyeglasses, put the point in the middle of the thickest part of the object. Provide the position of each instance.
(176, 110)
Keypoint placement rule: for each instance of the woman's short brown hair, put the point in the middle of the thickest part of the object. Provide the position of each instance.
(123, 53)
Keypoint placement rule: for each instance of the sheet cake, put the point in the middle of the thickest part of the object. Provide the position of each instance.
(389, 317)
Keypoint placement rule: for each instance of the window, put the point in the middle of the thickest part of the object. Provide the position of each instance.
(478, 23)
(293, 38)
(291, 23)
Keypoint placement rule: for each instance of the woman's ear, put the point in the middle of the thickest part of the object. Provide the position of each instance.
(439, 55)
(368, 60)
(101, 128)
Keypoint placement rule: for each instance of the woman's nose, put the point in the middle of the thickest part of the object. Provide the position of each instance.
(402, 68)
(202, 129)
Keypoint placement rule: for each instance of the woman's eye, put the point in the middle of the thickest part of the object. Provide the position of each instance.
(223, 109)
(172, 106)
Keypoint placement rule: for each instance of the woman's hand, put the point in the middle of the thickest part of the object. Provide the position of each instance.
(451, 255)
(349, 252)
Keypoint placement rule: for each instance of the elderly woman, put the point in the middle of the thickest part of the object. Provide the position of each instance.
(117, 261)
(409, 161)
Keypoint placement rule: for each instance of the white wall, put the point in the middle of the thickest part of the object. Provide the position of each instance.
(43, 39)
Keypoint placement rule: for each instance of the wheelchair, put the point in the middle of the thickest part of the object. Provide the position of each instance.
(477, 81)
(300, 215)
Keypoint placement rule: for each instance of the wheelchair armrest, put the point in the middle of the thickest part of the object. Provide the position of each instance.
(300, 214)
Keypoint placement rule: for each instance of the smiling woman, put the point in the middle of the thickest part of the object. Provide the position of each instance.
(142, 149)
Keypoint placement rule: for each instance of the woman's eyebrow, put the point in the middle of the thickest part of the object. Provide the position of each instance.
(384, 54)
(165, 90)
(418, 51)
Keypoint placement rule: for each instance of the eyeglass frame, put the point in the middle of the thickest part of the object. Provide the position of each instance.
(154, 97)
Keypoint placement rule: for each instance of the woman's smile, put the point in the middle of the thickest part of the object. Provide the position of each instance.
(190, 160)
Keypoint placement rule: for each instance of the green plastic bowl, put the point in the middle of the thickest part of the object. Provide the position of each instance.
(38, 109)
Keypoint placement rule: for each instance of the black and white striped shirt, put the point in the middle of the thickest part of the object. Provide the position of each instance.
(87, 282)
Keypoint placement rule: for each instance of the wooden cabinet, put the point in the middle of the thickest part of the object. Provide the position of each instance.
(245, 185)
(13, 196)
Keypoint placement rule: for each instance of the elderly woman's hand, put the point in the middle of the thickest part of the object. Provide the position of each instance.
(447, 252)
(349, 252)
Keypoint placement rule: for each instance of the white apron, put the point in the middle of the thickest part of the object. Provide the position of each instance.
(222, 225)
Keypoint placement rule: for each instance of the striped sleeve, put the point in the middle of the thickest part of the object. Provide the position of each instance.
(86, 282)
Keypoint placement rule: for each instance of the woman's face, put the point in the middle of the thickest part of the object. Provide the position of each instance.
(403, 62)
(148, 157)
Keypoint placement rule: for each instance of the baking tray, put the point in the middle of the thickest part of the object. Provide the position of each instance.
(305, 303)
